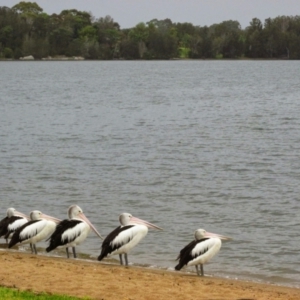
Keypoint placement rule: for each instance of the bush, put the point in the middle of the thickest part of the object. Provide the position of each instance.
(8, 53)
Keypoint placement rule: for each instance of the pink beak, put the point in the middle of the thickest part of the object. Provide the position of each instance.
(50, 218)
(135, 220)
(85, 219)
(214, 235)
(19, 214)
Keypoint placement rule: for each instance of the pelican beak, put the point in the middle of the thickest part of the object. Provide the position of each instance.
(214, 235)
(84, 218)
(19, 214)
(55, 220)
(143, 222)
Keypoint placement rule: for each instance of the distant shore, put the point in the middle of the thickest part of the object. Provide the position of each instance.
(79, 58)
(86, 278)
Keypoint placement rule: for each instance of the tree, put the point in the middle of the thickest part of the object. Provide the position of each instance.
(140, 35)
(109, 36)
(41, 25)
(128, 48)
(205, 46)
(27, 8)
(60, 40)
(12, 30)
(254, 44)
(75, 20)
(227, 39)
(6, 34)
(38, 48)
(161, 44)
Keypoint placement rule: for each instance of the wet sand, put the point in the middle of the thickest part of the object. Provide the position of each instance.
(86, 278)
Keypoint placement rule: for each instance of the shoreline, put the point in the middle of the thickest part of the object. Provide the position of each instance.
(86, 278)
(114, 261)
(70, 59)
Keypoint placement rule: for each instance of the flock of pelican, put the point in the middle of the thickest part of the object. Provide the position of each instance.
(17, 229)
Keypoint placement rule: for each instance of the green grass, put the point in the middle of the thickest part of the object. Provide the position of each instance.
(9, 293)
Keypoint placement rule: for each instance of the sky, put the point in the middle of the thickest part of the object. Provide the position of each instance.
(129, 13)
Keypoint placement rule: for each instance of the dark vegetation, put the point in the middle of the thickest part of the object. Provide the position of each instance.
(26, 30)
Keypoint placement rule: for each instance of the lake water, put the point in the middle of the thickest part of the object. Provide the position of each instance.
(182, 144)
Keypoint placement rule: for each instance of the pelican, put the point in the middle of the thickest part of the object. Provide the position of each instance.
(125, 237)
(39, 228)
(71, 232)
(205, 246)
(11, 223)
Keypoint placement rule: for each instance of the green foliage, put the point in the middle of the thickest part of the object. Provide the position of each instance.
(8, 294)
(6, 33)
(109, 37)
(26, 30)
(27, 7)
(184, 52)
(7, 53)
(88, 32)
(139, 33)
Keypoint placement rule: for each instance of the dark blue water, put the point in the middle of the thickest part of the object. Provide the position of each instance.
(182, 144)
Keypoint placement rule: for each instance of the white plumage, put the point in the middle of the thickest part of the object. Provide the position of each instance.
(11, 223)
(38, 229)
(125, 237)
(16, 224)
(71, 232)
(76, 235)
(204, 251)
(129, 238)
(37, 232)
(205, 246)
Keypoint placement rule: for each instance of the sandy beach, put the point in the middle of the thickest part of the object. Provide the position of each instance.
(85, 278)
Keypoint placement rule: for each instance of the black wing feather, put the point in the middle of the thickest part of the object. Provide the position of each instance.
(55, 240)
(186, 254)
(107, 246)
(16, 236)
(3, 226)
(10, 221)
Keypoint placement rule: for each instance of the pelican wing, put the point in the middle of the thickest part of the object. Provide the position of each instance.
(3, 226)
(188, 253)
(10, 224)
(63, 233)
(187, 249)
(73, 232)
(115, 240)
(15, 223)
(202, 247)
(31, 229)
(26, 231)
(203, 252)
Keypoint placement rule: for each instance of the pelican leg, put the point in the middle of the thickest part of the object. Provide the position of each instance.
(34, 248)
(121, 259)
(74, 252)
(126, 259)
(201, 269)
(31, 247)
(67, 251)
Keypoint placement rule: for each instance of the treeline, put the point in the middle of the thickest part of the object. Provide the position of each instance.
(26, 30)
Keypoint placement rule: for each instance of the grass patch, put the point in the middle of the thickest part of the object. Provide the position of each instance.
(9, 294)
